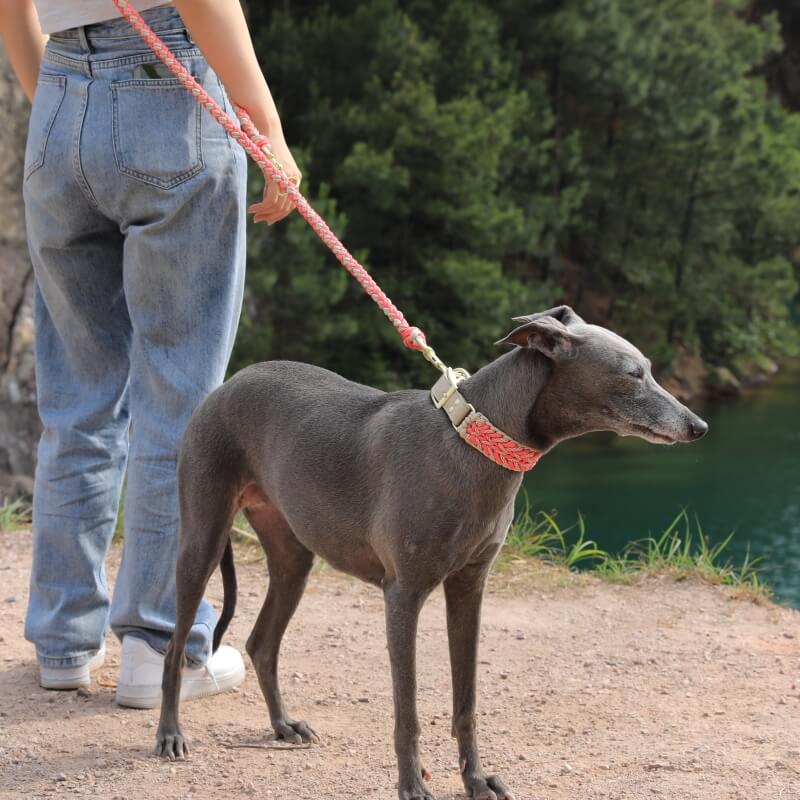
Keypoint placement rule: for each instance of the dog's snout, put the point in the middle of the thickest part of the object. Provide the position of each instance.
(698, 428)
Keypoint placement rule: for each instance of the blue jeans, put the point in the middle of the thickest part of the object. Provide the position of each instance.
(135, 208)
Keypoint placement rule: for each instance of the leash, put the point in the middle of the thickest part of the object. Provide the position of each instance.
(472, 426)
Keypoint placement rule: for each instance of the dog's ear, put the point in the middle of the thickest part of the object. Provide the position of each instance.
(563, 314)
(545, 334)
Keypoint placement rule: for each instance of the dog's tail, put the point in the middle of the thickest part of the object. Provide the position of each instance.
(228, 570)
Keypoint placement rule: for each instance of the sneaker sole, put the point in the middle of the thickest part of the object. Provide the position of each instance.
(71, 677)
(149, 696)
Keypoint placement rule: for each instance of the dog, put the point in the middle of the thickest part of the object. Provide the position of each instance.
(381, 487)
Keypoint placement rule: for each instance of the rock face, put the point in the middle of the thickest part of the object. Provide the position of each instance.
(19, 424)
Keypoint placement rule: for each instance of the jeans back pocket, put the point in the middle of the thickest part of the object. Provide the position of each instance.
(50, 90)
(157, 131)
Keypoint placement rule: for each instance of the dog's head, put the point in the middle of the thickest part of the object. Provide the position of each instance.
(598, 382)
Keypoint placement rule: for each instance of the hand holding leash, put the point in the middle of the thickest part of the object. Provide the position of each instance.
(276, 204)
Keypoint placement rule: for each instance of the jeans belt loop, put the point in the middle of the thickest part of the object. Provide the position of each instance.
(84, 39)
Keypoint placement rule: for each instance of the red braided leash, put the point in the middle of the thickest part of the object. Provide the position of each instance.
(477, 430)
(257, 147)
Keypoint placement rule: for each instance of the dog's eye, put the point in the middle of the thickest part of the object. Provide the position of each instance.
(637, 373)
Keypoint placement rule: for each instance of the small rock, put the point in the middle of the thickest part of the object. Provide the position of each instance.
(83, 692)
(61, 776)
(11, 599)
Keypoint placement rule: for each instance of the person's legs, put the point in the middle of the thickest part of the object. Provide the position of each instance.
(83, 337)
(137, 309)
(183, 274)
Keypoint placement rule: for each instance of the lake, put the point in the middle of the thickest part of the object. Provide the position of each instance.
(743, 476)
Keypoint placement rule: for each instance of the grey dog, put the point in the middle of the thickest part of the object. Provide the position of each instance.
(382, 488)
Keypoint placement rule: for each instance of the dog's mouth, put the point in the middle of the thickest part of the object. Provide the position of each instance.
(652, 435)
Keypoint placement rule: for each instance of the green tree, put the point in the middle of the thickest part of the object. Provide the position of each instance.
(488, 159)
(420, 145)
(686, 227)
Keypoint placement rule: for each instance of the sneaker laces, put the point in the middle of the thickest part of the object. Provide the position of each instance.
(207, 670)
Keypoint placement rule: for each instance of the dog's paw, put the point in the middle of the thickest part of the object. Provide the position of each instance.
(171, 745)
(416, 788)
(295, 732)
(416, 793)
(487, 787)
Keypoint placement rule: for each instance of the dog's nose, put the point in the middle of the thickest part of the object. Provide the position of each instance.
(698, 428)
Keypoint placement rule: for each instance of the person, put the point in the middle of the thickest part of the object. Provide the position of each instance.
(135, 214)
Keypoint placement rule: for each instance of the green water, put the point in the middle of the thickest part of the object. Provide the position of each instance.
(743, 476)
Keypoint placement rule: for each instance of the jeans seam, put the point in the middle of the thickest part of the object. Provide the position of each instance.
(86, 65)
(79, 65)
(61, 82)
(67, 661)
(97, 37)
(80, 177)
(143, 58)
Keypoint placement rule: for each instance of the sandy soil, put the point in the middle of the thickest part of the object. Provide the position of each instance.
(587, 690)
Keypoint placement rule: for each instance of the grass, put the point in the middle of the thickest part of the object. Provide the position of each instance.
(683, 550)
(14, 514)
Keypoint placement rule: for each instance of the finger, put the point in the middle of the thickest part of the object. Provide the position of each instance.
(279, 215)
(274, 206)
(285, 206)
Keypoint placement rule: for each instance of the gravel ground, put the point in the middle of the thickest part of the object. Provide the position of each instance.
(663, 689)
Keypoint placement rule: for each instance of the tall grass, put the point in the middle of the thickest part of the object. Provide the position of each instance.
(538, 535)
(682, 550)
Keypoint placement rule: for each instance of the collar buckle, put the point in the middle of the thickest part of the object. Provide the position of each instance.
(475, 429)
(445, 395)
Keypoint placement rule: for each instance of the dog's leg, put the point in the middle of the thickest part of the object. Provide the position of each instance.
(402, 612)
(289, 564)
(464, 594)
(205, 523)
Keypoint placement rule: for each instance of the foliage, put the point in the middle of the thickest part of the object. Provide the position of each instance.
(489, 159)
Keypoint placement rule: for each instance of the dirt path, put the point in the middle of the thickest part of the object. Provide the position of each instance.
(587, 690)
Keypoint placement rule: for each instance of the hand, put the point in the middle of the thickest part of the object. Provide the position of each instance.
(275, 205)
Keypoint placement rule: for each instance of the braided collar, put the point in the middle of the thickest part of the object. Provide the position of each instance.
(477, 431)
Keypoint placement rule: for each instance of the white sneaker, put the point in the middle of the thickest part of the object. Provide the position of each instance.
(141, 667)
(71, 677)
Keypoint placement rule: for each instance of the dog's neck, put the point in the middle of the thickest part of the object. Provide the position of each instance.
(506, 390)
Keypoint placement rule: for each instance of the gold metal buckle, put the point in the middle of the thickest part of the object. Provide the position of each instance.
(443, 389)
(445, 395)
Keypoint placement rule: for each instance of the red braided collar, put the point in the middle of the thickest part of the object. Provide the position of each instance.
(478, 432)
(496, 445)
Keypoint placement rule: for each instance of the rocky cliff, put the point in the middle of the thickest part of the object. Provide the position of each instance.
(19, 426)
